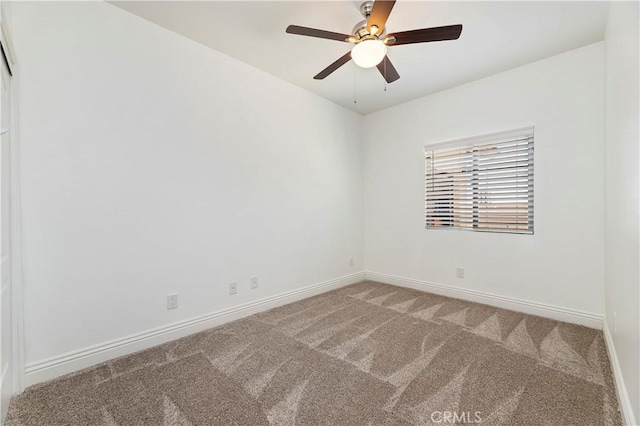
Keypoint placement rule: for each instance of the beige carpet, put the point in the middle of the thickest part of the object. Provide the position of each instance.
(365, 354)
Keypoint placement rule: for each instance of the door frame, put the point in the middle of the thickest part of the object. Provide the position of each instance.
(17, 307)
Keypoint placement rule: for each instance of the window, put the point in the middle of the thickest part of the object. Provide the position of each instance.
(481, 184)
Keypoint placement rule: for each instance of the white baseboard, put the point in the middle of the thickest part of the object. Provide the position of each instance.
(534, 308)
(623, 397)
(69, 362)
(50, 368)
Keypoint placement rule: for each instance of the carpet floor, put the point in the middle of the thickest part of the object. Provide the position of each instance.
(366, 354)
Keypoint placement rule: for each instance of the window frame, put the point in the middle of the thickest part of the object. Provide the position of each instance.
(471, 143)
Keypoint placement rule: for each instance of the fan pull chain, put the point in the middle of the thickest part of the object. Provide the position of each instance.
(385, 73)
(354, 84)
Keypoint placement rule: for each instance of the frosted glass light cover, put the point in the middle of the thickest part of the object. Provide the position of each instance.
(368, 53)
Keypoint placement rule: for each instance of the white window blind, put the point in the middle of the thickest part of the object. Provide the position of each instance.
(481, 184)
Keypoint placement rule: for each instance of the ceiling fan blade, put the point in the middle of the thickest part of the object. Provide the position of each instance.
(387, 70)
(334, 66)
(380, 13)
(312, 32)
(450, 32)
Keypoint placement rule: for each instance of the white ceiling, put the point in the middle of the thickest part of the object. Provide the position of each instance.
(496, 36)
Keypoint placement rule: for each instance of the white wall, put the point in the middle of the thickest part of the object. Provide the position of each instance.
(563, 263)
(152, 165)
(622, 153)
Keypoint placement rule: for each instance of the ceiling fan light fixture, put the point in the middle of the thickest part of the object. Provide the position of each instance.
(370, 39)
(368, 53)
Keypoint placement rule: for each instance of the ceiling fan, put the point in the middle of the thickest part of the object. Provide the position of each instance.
(370, 39)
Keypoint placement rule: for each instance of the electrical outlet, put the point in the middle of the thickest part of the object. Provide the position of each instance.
(254, 282)
(172, 301)
(351, 262)
(233, 288)
(459, 272)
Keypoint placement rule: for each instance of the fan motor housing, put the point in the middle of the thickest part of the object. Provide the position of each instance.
(360, 31)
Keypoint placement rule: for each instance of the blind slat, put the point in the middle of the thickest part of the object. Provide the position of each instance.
(469, 188)
(493, 197)
(469, 209)
(472, 167)
(471, 159)
(486, 181)
(461, 150)
(500, 224)
(510, 171)
(465, 209)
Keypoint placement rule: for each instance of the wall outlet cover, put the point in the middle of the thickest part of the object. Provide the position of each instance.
(172, 301)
